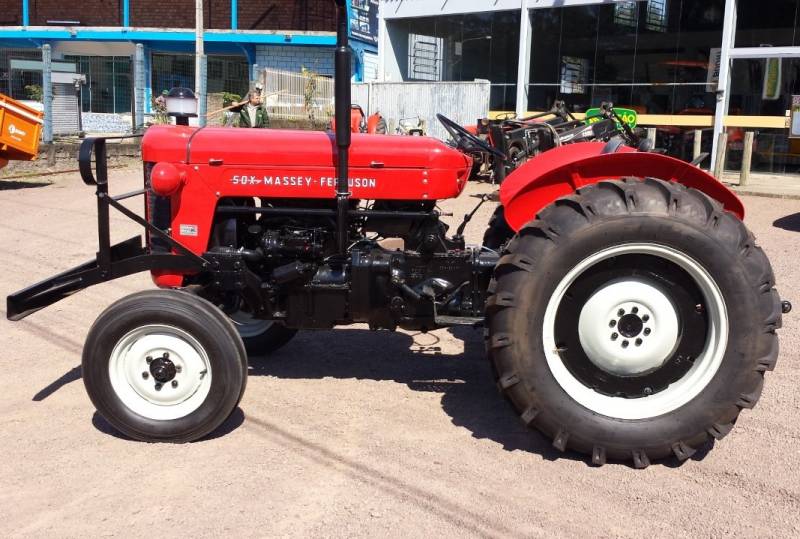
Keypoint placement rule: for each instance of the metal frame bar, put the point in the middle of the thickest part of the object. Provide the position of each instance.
(320, 39)
(126, 13)
(744, 53)
(112, 261)
(723, 94)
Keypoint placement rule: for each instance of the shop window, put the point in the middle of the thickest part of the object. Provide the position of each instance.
(657, 15)
(108, 83)
(424, 57)
(773, 23)
(652, 56)
(625, 14)
(574, 75)
(463, 47)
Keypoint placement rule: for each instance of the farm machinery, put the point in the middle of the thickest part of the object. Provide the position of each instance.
(20, 131)
(519, 139)
(629, 315)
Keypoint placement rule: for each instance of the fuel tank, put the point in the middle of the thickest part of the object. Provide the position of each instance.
(268, 163)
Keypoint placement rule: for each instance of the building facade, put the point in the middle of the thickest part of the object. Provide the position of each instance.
(100, 37)
(713, 65)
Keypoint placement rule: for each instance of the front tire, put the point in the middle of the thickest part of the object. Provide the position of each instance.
(633, 320)
(164, 366)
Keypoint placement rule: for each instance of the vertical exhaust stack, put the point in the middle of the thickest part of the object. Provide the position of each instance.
(343, 99)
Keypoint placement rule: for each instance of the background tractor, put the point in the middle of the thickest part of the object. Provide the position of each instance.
(628, 312)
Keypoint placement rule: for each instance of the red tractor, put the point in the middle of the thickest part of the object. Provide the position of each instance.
(628, 312)
(359, 123)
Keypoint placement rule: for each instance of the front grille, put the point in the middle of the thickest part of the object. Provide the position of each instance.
(158, 212)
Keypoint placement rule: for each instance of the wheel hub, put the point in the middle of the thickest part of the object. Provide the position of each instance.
(163, 369)
(629, 327)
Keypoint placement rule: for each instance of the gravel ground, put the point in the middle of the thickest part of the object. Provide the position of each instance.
(351, 432)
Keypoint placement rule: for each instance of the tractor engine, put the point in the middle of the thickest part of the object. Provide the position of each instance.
(399, 272)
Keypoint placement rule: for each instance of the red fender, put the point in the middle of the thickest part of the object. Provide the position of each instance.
(561, 171)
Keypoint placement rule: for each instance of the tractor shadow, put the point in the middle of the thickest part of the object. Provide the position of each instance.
(465, 381)
(12, 185)
(789, 222)
(233, 422)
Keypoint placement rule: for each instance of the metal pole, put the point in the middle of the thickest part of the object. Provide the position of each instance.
(343, 100)
(719, 156)
(47, 87)
(199, 48)
(747, 158)
(138, 76)
(523, 61)
(26, 18)
(199, 64)
(651, 136)
(698, 143)
(723, 94)
(202, 94)
(126, 13)
(234, 14)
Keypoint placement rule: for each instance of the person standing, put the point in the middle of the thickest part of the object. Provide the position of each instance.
(253, 114)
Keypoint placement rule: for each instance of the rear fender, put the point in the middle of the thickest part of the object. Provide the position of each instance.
(561, 171)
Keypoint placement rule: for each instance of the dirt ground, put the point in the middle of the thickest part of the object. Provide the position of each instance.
(351, 432)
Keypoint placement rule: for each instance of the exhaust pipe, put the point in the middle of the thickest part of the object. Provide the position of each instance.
(343, 98)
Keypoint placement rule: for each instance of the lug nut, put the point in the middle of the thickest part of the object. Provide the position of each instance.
(648, 391)
(178, 368)
(612, 324)
(145, 375)
(149, 360)
(647, 331)
(166, 355)
(614, 336)
(635, 310)
(638, 342)
(174, 383)
(625, 344)
(646, 318)
(158, 387)
(621, 312)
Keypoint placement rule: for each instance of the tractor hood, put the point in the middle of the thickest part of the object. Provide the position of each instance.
(289, 148)
(302, 164)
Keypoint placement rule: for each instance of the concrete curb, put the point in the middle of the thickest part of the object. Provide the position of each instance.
(764, 193)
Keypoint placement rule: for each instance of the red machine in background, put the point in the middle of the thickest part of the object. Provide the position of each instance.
(375, 124)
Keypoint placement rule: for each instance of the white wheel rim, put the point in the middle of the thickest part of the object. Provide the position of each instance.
(249, 327)
(135, 385)
(651, 300)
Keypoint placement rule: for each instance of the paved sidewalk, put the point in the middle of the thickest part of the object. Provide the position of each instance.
(766, 185)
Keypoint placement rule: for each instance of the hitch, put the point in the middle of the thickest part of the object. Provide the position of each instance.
(112, 261)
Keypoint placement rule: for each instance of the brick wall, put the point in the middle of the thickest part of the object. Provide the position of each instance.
(309, 15)
(293, 58)
(11, 12)
(281, 15)
(88, 12)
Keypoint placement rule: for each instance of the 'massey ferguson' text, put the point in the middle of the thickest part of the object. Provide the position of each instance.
(302, 181)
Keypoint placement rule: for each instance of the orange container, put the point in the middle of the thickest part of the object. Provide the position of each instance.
(20, 130)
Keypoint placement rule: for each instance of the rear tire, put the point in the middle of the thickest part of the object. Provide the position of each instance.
(164, 366)
(261, 337)
(651, 265)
